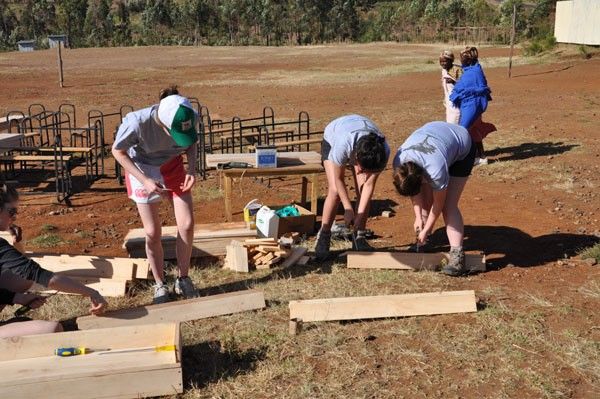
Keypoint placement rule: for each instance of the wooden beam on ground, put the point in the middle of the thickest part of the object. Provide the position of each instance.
(409, 261)
(187, 310)
(209, 239)
(374, 307)
(295, 256)
(93, 266)
(32, 369)
(105, 286)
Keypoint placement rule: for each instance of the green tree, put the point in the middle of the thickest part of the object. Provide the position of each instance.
(70, 20)
(8, 25)
(98, 25)
(121, 22)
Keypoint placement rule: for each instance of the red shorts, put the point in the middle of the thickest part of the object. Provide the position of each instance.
(171, 175)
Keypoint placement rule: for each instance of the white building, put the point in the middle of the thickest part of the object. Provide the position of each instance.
(578, 21)
(26, 45)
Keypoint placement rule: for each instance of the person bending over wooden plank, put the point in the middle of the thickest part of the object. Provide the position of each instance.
(355, 141)
(18, 273)
(149, 145)
(432, 168)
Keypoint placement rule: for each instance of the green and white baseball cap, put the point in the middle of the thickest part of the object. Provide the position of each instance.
(177, 114)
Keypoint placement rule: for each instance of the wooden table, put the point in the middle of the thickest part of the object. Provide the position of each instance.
(288, 158)
(6, 121)
(306, 171)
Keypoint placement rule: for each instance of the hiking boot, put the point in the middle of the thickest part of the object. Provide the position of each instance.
(456, 264)
(360, 243)
(322, 246)
(161, 294)
(185, 287)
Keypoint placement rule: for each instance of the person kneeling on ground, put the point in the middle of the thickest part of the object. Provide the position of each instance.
(354, 141)
(18, 273)
(432, 168)
(149, 145)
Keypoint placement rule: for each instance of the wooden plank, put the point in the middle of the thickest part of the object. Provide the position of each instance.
(237, 257)
(283, 158)
(409, 261)
(32, 158)
(279, 171)
(147, 382)
(297, 253)
(187, 310)
(282, 144)
(119, 338)
(88, 266)
(356, 308)
(106, 287)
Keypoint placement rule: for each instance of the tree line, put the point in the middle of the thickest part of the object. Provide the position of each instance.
(98, 23)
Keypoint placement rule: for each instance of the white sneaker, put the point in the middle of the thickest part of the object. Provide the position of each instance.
(480, 161)
(161, 294)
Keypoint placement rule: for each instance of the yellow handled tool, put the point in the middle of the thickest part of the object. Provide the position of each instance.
(64, 352)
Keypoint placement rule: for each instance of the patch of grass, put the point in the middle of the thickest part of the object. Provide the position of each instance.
(206, 193)
(540, 45)
(47, 240)
(591, 252)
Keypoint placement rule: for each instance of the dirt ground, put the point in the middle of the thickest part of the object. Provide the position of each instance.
(532, 209)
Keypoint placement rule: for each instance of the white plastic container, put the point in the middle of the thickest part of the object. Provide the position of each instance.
(267, 223)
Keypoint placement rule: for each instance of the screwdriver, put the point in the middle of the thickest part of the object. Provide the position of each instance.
(74, 351)
(25, 308)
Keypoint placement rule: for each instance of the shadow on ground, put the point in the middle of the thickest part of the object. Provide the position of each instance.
(508, 245)
(212, 361)
(529, 150)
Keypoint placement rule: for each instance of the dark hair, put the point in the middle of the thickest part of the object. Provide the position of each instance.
(469, 56)
(169, 91)
(408, 178)
(370, 152)
(7, 194)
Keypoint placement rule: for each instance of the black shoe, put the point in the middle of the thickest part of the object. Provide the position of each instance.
(360, 243)
(322, 246)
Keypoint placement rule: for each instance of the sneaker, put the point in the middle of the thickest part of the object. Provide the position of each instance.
(360, 243)
(322, 246)
(185, 287)
(480, 161)
(161, 294)
(456, 264)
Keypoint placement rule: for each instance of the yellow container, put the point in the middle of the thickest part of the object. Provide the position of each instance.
(250, 211)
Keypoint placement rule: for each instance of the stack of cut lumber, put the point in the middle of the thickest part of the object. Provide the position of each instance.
(123, 362)
(209, 239)
(261, 253)
(109, 276)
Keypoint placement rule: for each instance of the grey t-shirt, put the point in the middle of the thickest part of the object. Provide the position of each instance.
(435, 147)
(145, 140)
(344, 132)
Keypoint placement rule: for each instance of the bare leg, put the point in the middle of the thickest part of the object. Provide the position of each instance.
(359, 181)
(33, 327)
(184, 215)
(152, 228)
(454, 222)
(332, 200)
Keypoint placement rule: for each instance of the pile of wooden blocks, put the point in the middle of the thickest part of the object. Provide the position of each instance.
(264, 253)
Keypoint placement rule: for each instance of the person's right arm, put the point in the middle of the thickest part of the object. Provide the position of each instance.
(65, 284)
(122, 157)
(340, 185)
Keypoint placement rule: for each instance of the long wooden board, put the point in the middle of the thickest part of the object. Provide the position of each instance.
(187, 310)
(106, 287)
(209, 239)
(31, 369)
(373, 307)
(409, 261)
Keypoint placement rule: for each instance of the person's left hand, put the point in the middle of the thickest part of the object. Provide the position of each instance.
(98, 303)
(422, 237)
(188, 183)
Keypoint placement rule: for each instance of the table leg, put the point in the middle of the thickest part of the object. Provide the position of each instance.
(304, 190)
(228, 213)
(314, 193)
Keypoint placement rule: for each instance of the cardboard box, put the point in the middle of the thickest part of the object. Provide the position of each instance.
(270, 225)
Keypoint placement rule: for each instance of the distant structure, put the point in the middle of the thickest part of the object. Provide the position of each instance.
(54, 40)
(577, 21)
(26, 45)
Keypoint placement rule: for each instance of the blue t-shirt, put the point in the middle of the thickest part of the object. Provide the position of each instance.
(344, 132)
(435, 147)
(145, 140)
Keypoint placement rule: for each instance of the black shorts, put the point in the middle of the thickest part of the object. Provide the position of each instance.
(325, 149)
(464, 167)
